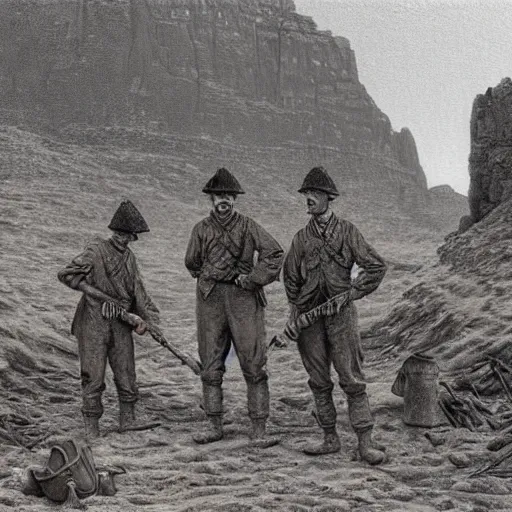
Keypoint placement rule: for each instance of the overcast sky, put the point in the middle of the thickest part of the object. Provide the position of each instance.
(423, 62)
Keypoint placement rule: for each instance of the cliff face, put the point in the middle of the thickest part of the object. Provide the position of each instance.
(253, 70)
(490, 160)
(245, 72)
(445, 203)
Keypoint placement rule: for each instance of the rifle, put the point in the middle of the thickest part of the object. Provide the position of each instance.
(294, 326)
(112, 309)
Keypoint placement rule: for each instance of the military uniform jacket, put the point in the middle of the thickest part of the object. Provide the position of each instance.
(319, 263)
(114, 272)
(219, 251)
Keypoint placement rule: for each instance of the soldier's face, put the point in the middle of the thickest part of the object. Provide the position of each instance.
(223, 203)
(317, 202)
(124, 238)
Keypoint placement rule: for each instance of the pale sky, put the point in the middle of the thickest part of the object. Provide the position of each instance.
(423, 62)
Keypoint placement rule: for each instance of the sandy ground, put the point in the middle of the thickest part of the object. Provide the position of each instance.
(166, 471)
(53, 197)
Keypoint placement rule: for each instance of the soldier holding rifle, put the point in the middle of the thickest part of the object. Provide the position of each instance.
(107, 274)
(317, 278)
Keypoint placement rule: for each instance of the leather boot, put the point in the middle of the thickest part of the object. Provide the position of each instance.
(212, 405)
(258, 406)
(126, 415)
(258, 437)
(367, 449)
(127, 420)
(91, 425)
(330, 444)
(211, 434)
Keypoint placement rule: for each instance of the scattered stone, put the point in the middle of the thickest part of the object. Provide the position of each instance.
(363, 496)
(141, 500)
(428, 448)
(499, 442)
(436, 438)
(427, 460)
(461, 460)
(378, 494)
(445, 504)
(465, 223)
(402, 494)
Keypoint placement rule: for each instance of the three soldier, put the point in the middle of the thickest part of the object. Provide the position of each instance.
(230, 303)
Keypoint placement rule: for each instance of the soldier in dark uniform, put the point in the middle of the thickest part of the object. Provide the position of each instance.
(230, 302)
(317, 268)
(106, 271)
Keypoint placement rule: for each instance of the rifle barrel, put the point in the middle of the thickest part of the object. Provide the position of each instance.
(158, 336)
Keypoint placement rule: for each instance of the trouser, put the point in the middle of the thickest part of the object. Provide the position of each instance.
(336, 340)
(231, 314)
(101, 341)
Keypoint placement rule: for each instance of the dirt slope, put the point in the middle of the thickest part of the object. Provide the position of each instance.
(460, 309)
(54, 197)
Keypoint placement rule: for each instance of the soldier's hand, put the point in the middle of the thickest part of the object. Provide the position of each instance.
(279, 342)
(355, 294)
(141, 328)
(244, 282)
(294, 312)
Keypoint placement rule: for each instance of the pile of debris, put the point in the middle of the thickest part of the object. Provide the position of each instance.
(429, 403)
(489, 377)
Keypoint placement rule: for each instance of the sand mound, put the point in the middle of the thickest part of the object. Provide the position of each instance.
(460, 310)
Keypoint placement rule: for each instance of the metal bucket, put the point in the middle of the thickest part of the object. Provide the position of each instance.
(417, 382)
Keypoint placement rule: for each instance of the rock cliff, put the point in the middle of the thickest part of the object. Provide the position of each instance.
(490, 160)
(254, 73)
(445, 203)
